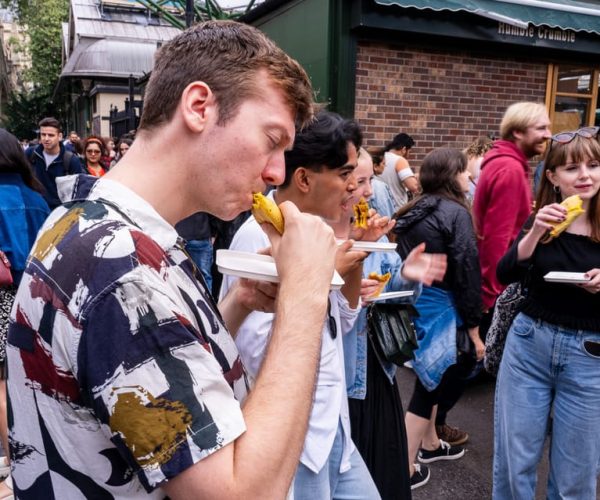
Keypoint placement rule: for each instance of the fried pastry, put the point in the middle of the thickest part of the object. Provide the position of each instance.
(266, 210)
(382, 278)
(361, 214)
(573, 204)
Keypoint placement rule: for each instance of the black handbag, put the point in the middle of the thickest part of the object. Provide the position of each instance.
(392, 331)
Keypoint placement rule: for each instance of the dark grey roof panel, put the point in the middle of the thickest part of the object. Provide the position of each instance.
(114, 58)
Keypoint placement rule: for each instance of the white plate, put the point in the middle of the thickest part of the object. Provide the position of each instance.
(256, 267)
(564, 277)
(372, 246)
(390, 295)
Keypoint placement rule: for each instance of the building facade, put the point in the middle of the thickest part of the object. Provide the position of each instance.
(108, 46)
(443, 71)
(14, 58)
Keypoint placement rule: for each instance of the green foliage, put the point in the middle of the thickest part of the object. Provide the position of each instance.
(24, 110)
(43, 19)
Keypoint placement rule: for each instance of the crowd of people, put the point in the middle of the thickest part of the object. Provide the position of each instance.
(131, 371)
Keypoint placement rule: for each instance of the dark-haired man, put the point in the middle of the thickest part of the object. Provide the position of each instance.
(397, 173)
(319, 180)
(125, 382)
(51, 159)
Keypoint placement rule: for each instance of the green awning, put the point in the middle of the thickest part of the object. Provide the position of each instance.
(565, 14)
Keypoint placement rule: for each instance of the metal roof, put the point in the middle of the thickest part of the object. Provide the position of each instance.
(104, 40)
(91, 19)
(110, 58)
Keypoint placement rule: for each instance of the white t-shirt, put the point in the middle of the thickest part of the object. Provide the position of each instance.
(50, 158)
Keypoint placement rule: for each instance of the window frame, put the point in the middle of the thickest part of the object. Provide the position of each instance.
(552, 93)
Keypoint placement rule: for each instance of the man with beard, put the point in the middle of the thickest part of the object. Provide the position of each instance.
(503, 196)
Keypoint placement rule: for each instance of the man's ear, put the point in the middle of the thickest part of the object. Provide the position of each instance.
(198, 105)
(60, 136)
(302, 179)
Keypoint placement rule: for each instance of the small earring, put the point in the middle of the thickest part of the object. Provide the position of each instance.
(556, 189)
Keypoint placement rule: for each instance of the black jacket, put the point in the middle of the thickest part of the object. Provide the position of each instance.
(446, 227)
(47, 175)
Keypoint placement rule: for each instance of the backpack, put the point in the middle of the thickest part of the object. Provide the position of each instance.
(67, 157)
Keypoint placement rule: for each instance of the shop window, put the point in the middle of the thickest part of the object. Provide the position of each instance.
(572, 97)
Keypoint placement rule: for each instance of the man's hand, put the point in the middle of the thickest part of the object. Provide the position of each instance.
(347, 260)
(424, 267)
(257, 295)
(294, 251)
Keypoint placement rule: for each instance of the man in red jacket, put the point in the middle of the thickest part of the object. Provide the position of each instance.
(503, 196)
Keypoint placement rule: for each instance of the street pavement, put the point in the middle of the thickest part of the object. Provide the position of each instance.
(469, 478)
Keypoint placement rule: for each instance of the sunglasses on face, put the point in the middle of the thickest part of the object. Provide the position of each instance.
(92, 151)
(566, 137)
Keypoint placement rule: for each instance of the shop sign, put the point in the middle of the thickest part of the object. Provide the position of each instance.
(539, 32)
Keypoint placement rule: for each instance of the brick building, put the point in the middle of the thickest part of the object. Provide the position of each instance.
(443, 71)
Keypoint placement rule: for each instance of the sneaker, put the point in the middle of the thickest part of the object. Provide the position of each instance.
(420, 476)
(444, 452)
(451, 435)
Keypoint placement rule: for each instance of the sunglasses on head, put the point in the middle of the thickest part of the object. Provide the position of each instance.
(566, 137)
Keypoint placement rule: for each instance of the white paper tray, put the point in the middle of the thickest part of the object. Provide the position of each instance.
(256, 267)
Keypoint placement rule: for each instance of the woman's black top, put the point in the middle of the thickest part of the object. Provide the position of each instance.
(562, 304)
(446, 227)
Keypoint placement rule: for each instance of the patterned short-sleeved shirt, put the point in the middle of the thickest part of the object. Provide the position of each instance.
(121, 372)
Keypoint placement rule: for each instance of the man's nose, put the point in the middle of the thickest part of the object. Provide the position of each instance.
(352, 184)
(274, 172)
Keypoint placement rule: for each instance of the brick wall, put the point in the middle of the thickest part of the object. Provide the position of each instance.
(440, 98)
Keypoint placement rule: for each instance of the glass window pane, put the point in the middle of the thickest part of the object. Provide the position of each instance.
(570, 113)
(573, 80)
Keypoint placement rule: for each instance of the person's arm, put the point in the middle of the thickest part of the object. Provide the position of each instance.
(412, 184)
(406, 175)
(262, 462)
(463, 263)
(541, 225)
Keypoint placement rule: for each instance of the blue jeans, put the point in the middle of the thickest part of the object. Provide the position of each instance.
(329, 483)
(546, 369)
(201, 252)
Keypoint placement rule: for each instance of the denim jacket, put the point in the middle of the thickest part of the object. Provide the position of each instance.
(355, 341)
(22, 213)
(436, 333)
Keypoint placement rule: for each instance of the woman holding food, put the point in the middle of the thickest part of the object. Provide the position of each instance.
(376, 416)
(551, 360)
(440, 217)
